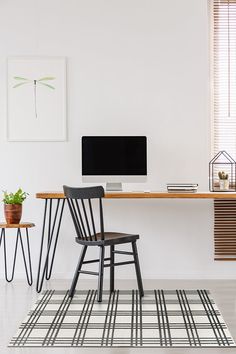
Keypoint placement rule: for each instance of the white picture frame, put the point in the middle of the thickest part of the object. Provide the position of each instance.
(36, 99)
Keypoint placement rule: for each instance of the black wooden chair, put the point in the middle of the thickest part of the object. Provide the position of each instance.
(80, 201)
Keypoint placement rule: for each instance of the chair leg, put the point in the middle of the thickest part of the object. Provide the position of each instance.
(78, 268)
(100, 276)
(112, 269)
(137, 268)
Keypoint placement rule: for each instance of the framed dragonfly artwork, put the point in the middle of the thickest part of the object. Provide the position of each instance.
(36, 99)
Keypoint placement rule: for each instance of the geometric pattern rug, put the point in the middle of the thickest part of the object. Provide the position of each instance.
(162, 318)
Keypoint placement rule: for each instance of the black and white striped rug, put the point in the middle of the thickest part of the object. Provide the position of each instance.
(162, 318)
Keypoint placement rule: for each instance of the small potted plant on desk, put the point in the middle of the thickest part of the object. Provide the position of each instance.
(224, 180)
(13, 206)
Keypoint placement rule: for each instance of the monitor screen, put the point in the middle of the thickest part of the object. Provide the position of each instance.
(114, 156)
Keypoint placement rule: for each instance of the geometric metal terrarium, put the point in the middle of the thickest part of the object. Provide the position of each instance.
(222, 173)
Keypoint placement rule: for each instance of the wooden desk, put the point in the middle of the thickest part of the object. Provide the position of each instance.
(224, 229)
(155, 195)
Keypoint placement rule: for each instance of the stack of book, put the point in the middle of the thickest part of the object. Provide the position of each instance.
(182, 187)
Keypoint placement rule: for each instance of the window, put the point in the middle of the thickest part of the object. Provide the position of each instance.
(224, 75)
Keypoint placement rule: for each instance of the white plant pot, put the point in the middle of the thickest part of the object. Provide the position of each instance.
(224, 184)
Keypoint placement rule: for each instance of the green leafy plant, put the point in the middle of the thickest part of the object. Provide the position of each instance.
(223, 175)
(14, 198)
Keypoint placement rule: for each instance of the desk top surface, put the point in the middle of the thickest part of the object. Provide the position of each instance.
(151, 194)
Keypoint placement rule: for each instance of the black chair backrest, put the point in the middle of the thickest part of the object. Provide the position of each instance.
(80, 205)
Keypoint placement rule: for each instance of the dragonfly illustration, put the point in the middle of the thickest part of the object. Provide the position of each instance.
(42, 81)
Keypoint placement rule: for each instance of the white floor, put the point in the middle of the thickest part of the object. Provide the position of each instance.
(17, 298)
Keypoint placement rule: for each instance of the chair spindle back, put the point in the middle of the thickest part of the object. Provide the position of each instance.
(81, 209)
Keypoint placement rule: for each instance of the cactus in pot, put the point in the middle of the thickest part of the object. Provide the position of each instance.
(224, 180)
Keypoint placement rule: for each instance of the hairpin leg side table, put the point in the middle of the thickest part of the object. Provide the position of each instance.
(25, 253)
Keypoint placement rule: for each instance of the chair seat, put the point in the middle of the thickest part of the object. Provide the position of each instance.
(111, 238)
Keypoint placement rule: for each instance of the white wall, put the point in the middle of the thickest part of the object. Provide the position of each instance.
(134, 67)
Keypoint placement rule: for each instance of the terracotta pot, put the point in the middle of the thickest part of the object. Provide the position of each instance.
(13, 213)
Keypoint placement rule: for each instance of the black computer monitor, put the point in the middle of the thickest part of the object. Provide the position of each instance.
(114, 156)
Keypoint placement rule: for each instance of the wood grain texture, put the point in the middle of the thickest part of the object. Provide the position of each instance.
(50, 195)
(22, 225)
(142, 195)
(225, 230)
(13, 213)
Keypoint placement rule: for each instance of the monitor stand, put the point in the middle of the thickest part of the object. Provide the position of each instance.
(113, 186)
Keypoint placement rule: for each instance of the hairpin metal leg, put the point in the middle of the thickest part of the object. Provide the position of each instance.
(1, 237)
(39, 283)
(49, 234)
(18, 237)
(51, 247)
(5, 256)
(28, 273)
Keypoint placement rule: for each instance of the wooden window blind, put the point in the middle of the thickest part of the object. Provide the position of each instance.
(224, 116)
(224, 76)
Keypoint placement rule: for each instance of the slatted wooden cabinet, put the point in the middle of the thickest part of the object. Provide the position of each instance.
(225, 229)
